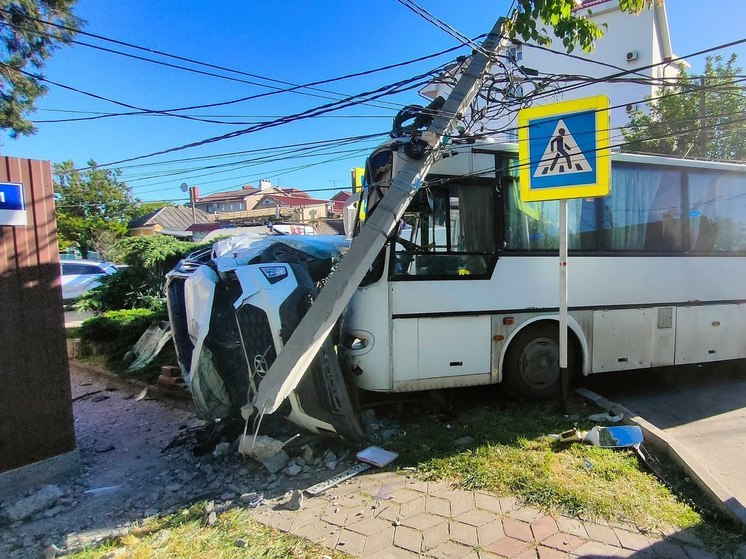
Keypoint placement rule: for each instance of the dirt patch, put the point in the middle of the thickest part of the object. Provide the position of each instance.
(138, 461)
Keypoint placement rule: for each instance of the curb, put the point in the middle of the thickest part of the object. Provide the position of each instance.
(661, 440)
(173, 394)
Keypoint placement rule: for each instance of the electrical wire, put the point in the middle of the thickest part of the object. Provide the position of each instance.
(184, 175)
(734, 121)
(294, 87)
(662, 63)
(480, 172)
(443, 26)
(584, 83)
(390, 89)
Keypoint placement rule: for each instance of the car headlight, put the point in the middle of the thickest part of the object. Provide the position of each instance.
(274, 273)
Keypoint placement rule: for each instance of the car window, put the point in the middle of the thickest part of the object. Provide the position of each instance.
(69, 269)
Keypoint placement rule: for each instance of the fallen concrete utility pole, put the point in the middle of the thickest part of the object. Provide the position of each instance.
(296, 356)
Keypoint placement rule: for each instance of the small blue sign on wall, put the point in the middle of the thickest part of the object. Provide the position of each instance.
(12, 204)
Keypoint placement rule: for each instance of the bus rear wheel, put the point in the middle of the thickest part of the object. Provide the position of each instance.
(531, 366)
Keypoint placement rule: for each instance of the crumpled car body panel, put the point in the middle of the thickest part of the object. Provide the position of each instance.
(231, 311)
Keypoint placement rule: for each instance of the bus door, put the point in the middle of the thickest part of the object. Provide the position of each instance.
(446, 243)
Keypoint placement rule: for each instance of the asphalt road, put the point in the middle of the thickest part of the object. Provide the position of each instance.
(704, 407)
(76, 318)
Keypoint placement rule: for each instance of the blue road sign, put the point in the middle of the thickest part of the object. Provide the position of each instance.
(12, 204)
(564, 150)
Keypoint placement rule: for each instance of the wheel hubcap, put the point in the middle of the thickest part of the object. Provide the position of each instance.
(539, 363)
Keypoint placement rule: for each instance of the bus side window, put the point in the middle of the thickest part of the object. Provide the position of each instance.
(717, 212)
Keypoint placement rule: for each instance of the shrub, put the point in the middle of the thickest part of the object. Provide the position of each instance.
(140, 285)
(115, 332)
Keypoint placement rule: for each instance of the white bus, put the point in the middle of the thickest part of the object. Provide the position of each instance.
(467, 291)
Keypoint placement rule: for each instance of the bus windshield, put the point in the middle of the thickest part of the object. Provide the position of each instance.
(448, 230)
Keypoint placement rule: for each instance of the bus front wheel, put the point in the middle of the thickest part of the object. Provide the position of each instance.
(531, 366)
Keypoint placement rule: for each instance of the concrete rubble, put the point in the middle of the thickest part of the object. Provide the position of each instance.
(152, 471)
(41, 500)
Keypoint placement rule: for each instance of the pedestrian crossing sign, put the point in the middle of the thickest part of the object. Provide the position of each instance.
(563, 150)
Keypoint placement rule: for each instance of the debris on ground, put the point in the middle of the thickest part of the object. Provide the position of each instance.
(606, 417)
(148, 346)
(152, 469)
(266, 450)
(464, 441)
(368, 457)
(295, 502)
(622, 436)
(41, 499)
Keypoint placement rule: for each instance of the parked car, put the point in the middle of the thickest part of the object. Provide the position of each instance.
(78, 276)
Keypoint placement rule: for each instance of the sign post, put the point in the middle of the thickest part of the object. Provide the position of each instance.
(563, 153)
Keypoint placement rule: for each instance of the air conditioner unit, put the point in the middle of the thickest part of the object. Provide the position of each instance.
(632, 56)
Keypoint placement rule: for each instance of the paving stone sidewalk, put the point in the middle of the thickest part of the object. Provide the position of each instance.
(384, 515)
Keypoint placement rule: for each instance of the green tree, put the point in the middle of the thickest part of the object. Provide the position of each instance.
(572, 29)
(697, 116)
(141, 283)
(29, 31)
(91, 204)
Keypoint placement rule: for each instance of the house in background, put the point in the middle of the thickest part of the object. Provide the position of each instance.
(251, 205)
(338, 202)
(638, 44)
(297, 208)
(225, 202)
(176, 221)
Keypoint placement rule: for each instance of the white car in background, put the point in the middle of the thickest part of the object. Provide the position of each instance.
(78, 276)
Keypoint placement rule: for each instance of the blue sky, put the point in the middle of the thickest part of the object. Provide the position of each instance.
(292, 41)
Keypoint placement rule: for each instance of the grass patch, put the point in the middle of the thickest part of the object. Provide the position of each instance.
(510, 456)
(184, 534)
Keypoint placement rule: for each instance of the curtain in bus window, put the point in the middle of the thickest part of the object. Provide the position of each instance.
(535, 226)
(643, 211)
(476, 218)
(717, 212)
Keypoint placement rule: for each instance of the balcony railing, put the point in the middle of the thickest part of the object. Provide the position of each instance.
(270, 213)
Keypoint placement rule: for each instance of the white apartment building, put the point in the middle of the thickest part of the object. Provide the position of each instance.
(639, 43)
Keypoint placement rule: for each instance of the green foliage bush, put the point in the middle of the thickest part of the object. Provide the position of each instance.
(140, 285)
(116, 326)
(115, 332)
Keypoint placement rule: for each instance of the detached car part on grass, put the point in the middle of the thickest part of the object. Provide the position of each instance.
(233, 307)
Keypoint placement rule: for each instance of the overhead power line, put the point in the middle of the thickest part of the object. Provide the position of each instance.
(107, 114)
(650, 66)
(474, 173)
(390, 89)
(294, 87)
(442, 25)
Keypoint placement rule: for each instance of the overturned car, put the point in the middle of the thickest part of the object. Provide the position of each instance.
(234, 306)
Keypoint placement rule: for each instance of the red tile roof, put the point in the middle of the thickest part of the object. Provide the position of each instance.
(295, 192)
(293, 200)
(342, 196)
(232, 195)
